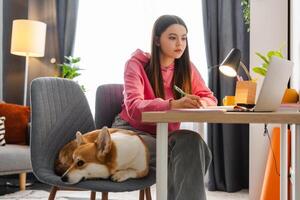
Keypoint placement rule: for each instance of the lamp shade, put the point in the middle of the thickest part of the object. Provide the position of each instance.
(231, 63)
(28, 38)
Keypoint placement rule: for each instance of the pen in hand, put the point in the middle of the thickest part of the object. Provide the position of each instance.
(179, 90)
(190, 96)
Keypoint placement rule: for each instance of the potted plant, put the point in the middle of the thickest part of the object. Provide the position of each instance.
(262, 70)
(290, 95)
(246, 13)
(70, 69)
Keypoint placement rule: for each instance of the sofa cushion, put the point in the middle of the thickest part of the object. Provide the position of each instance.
(17, 118)
(2, 131)
(14, 159)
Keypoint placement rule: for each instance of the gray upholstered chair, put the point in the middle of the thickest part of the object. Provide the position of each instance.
(109, 98)
(58, 109)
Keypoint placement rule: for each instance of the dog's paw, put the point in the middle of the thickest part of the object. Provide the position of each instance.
(121, 176)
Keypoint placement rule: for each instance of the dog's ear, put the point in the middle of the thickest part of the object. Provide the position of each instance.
(79, 139)
(103, 142)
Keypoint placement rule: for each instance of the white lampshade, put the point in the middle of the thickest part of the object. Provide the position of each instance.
(227, 70)
(28, 38)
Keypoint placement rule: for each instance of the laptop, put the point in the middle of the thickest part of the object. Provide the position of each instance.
(274, 85)
(272, 90)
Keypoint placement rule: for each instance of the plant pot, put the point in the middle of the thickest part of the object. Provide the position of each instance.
(245, 92)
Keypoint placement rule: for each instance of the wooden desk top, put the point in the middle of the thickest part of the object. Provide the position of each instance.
(221, 117)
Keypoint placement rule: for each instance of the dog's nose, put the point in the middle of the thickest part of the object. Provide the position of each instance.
(64, 179)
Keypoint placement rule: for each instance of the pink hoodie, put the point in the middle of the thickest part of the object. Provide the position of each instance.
(139, 96)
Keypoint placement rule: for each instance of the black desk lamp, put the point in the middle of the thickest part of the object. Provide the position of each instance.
(245, 90)
(231, 63)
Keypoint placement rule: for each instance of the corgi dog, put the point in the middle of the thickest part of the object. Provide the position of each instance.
(103, 153)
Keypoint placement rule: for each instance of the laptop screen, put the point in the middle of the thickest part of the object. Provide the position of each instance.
(274, 85)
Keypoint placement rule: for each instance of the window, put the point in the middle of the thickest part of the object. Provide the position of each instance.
(109, 31)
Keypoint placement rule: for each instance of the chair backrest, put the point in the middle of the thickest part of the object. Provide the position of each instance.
(109, 99)
(59, 109)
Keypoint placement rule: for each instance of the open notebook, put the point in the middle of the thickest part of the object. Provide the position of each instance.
(272, 90)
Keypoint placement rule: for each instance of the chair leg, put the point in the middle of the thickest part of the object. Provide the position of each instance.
(104, 196)
(22, 181)
(93, 195)
(53, 193)
(142, 194)
(148, 193)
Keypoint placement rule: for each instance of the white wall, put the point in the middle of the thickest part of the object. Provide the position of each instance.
(295, 43)
(268, 32)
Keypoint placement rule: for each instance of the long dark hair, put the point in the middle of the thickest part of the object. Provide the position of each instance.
(182, 72)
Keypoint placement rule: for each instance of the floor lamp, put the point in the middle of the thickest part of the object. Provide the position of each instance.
(28, 39)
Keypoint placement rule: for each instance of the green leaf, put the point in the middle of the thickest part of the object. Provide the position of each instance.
(260, 70)
(83, 88)
(274, 53)
(246, 13)
(70, 68)
(265, 59)
(265, 66)
(75, 60)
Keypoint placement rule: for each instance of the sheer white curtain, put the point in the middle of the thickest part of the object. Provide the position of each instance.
(109, 31)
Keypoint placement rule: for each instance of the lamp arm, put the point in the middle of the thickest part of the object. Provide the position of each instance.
(246, 70)
(214, 66)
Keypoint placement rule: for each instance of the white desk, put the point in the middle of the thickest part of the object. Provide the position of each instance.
(163, 118)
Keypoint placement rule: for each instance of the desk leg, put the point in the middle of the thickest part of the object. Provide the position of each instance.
(200, 129)
(162, 161)
(283, 162)
(295, 175)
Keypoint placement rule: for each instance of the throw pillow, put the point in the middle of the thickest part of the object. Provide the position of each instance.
(16, 122)
(2, 131)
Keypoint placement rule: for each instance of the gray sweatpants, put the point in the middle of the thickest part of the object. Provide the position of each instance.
(189, 159)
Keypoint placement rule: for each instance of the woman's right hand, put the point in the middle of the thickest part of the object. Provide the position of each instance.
(188, 101)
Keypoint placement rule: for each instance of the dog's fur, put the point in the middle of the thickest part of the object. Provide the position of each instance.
(103, 153)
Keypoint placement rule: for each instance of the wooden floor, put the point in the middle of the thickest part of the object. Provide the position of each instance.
(241, 195)
(9, 184)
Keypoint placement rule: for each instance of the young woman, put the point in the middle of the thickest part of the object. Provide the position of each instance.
(149, 81)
